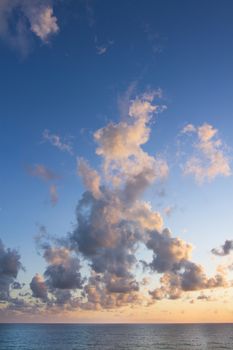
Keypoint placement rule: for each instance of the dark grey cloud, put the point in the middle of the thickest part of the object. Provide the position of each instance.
(9, 267)
(169, 252)
(107, 242)
(121, 285)
(64, 275)
(17, 285)
(62, 272)
(225, 249)
(39, 288)
(187, 277)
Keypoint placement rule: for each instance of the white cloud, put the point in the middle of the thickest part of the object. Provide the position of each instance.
(120, 144)
(210, 159)
(43, 22)
(33, 17)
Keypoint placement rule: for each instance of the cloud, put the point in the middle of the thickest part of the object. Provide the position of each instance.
(16, 285)
(40, 171)
(225, 249)
(124, 100)
(56, 141)
(90, 177)
(205, 297)
(111, 218)
(102, 49)
(63, 270)
(97, 265)
(38, 287)
(210, 159)
(19, 18)
(61, 275)
(169, 252)
(169, 210)
(98, 297)
(172, 258)
(120, 145)
(187, 277)
(53, 194)
(10, 265)
(43, 22)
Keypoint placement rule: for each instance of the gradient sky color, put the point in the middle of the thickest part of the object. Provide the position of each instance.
(70, 68)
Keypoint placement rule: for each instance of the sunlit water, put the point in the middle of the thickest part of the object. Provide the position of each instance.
(119, 337)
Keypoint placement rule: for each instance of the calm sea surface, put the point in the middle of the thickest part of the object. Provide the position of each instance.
(108, 337)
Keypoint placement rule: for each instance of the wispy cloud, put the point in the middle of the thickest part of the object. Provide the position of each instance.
(169, 210)
(40, 171)
(43, 173)
(101, 49)
(56, 141)
(53, 194)
(210, 159)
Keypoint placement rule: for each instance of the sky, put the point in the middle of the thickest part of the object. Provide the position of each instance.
(116, 161)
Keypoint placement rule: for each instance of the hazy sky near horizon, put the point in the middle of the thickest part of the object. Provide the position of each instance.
(116, 160)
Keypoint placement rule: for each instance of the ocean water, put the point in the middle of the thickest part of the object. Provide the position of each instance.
(117, 336)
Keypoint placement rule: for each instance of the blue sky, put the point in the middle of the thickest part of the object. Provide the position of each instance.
(71, 80)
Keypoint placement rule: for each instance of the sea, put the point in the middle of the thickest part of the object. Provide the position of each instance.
(116, 336)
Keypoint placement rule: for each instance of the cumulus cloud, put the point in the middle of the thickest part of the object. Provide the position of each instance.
(120, 146)
(112, 219)
(172, 258)
(63, 270)
(210, 159)
(96, 265)
(9, 267)
(225, 249)
(20, 17)
(62, 273)
(56, 141)
(186, 277)
(42, 20)
(169, 252)
(38, 287)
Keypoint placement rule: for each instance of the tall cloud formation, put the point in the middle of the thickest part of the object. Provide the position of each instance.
(96, 265)
(112, 219)
(210, 159)
(20, 17)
